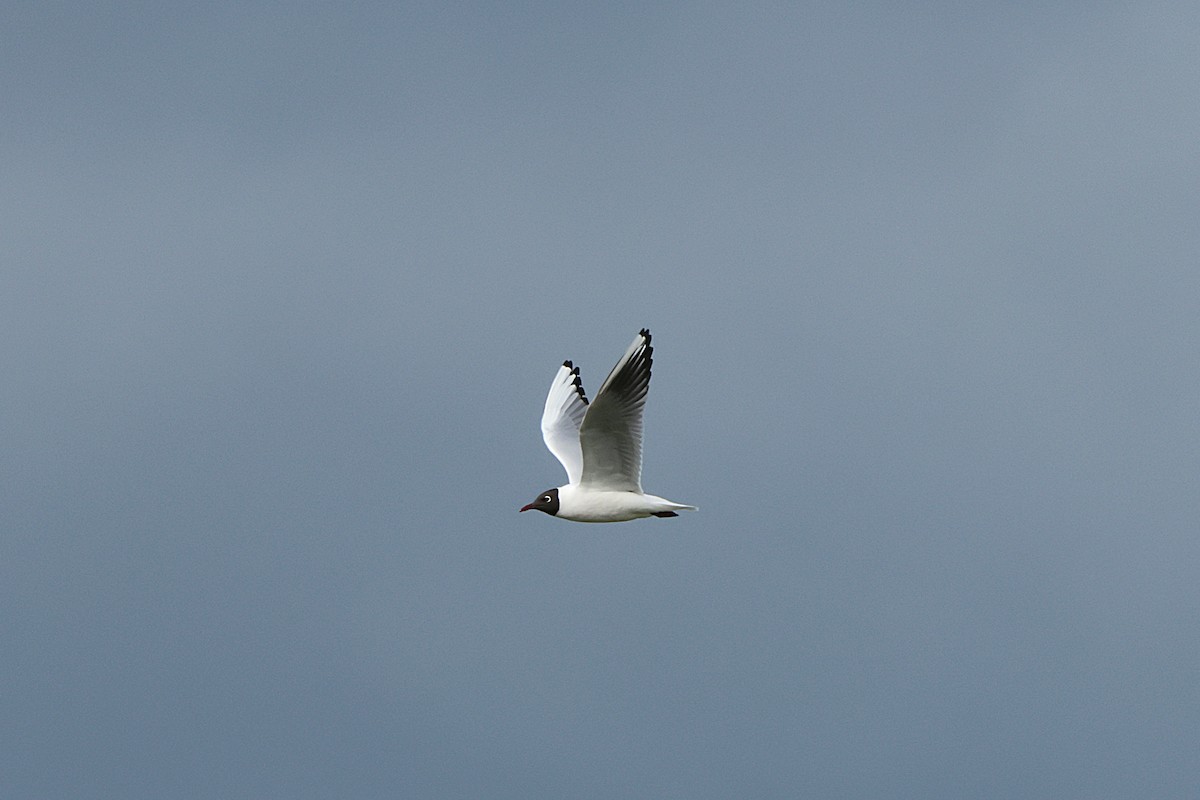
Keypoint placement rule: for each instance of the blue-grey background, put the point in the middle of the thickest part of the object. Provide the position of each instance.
(283, 287)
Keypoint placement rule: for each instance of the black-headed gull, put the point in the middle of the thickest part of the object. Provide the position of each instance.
(600, 444)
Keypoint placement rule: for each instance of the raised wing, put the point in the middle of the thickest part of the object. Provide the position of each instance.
(611, 434)
(565, 407)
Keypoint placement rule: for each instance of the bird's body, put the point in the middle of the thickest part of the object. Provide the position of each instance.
(583, 505)
(600, 444)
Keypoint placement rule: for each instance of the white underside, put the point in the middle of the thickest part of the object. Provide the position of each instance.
(595, 505)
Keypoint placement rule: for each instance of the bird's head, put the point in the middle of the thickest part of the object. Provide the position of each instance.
(547, 501)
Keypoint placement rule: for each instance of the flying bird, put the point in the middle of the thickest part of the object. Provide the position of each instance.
(600, 444)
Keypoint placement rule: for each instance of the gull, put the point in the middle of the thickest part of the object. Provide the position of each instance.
(600, 444)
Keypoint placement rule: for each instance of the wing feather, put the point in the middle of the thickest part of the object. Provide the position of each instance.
(566, 405)
(611, 432)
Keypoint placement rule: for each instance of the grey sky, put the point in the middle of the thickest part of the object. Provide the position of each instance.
(284, 286)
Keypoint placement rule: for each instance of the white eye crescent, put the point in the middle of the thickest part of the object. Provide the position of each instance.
(546, 498)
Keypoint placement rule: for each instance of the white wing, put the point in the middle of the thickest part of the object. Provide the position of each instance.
(611, 434)
(565, 407)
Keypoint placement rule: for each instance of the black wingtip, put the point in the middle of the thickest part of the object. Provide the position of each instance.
(645, 332)
(577, 381)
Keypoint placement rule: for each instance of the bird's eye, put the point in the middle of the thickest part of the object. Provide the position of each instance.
(546, 498)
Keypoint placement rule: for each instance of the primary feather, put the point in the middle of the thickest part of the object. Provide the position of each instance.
(565, 408)
(611, 433)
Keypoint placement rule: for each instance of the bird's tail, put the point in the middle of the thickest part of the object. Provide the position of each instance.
(667, 508)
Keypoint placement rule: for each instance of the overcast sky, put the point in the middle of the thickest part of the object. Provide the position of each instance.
(283, 286)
